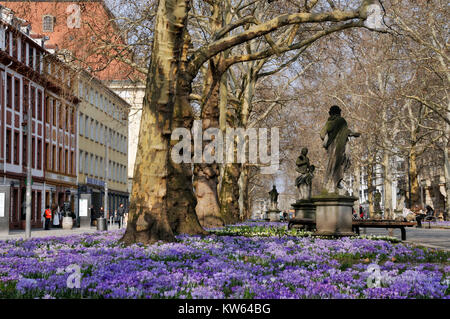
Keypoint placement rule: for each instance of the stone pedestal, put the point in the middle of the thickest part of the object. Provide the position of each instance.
(334, 215)
(273, 215)
(67, 223)
(304, 209)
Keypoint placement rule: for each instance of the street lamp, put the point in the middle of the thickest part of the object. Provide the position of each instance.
(28, 123)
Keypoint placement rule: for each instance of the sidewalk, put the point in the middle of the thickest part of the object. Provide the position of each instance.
(433, 238)
(38, 232)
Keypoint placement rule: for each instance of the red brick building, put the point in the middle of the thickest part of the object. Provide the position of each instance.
(81, 27)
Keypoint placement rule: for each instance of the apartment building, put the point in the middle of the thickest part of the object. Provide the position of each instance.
(32, 80)
(103, 144)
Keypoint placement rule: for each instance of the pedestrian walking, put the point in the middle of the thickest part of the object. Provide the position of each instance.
(48, 217)
(56, 220)
(93, 215)
(120, 214)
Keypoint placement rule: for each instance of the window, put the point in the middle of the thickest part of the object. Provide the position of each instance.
(17, 94)
(33, 102)
(48, 23)
(66, 162)
(47, 109)
(60, 114)
(96, 166)
(54, 159)
(73, 122)
(86, 127)
(30, 56)
(102, 168)
(92, 130)
(80, 89)
(38, 62)
(9, 91)
(16, 147)
(92, 165)
(8, 146)
(14, 46)
(23, 51)
(67, 118)
(39, 105)
(25, 97)
(25, 148)
(2, 38)
(47, 155)
(81, 124)
(72, 163)
(60, 160)
(33, 153)
(7, 44)
(55, 105)
(86, 163)
(80, 170)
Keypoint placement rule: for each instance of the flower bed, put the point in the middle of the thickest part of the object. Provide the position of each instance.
(214, 266)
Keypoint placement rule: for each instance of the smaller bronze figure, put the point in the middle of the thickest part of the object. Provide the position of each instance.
(273, 197)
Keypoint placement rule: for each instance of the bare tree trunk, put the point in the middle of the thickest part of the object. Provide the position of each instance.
(370, 187)
(206, 175)
(356, 186)
(387, 186)
(245, 209)
(148, 220)
(413, 175)
(229, 193)
(447, 167)
(180, 197)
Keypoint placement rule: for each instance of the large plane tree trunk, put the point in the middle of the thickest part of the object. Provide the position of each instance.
(181, 198)
(206, 175)
(148, 219)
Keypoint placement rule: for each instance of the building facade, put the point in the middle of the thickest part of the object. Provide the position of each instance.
(103, 144)
(34, 81)
(71, 25)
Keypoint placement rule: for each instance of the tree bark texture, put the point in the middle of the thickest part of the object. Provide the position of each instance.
(148, 219)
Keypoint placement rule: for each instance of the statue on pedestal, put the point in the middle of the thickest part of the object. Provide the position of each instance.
(335, 135)
(304, 181)
(273, 198)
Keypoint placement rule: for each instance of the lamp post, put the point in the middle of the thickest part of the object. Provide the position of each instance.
(28, 187)
(106, 171)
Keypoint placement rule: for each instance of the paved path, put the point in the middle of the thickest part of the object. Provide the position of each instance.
(18, 234)
(435, 238)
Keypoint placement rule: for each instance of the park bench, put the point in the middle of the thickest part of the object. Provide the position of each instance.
(356, 224)
(429, 219)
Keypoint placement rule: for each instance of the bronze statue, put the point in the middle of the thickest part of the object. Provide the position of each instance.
(304, 181)
(335, 135)
(273, 197)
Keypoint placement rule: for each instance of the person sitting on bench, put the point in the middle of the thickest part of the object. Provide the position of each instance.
(420, 215)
